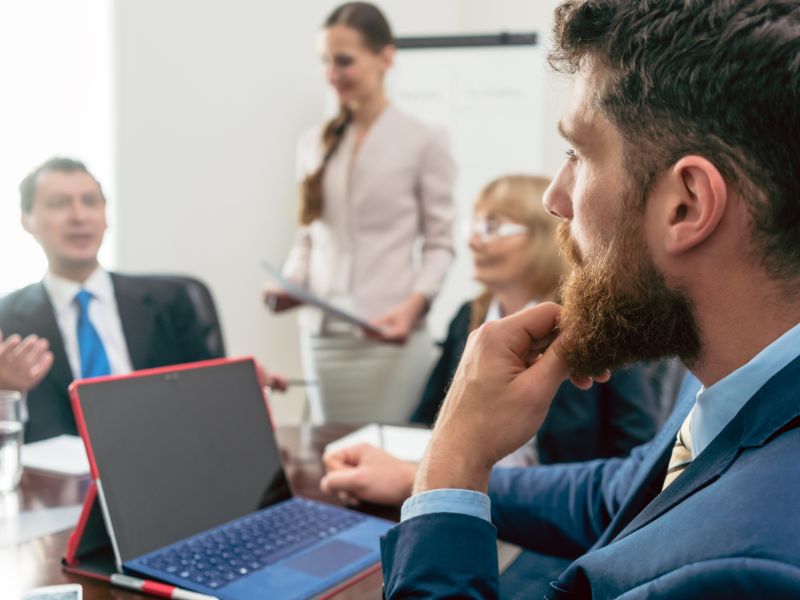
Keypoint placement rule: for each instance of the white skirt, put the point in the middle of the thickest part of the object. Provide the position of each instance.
(363, 381)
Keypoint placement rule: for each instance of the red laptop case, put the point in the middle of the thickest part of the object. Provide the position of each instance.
(89, 551)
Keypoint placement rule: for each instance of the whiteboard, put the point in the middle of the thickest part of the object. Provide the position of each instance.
(490, 100)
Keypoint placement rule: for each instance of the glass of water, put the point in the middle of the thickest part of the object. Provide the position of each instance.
(10, 440)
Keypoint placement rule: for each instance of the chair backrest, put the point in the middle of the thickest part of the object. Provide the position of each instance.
(205, 311)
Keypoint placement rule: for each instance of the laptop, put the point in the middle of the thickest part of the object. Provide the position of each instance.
(193, 491)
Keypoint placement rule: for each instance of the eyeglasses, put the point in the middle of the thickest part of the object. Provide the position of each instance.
(489, 230)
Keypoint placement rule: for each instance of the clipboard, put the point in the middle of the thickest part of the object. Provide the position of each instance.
(306, 297)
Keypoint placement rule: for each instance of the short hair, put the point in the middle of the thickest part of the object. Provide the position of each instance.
(27, 188)
(717, 78)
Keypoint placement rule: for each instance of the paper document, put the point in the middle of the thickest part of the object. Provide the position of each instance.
(31, 524)
(64, 455)
(307, 297)
(405, 443)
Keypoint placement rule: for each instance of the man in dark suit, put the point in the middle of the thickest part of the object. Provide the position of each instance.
(681, 209)
(96, 322)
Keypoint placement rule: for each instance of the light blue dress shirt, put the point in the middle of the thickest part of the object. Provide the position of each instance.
(464, 502)
(714, 409)
(717, 405)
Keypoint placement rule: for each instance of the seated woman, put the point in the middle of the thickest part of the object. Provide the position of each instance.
(516, 258)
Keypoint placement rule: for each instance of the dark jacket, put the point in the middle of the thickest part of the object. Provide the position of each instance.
(608, 420)
(160, 329)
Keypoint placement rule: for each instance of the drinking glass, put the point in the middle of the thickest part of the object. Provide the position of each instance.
(10, 439)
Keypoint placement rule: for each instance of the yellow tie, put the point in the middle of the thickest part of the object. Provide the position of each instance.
(681, 452)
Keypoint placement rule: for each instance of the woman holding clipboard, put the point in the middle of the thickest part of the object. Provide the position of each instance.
(375, 236)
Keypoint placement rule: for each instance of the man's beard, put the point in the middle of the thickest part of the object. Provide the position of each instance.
(617, 308)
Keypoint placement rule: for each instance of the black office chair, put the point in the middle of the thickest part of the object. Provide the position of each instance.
(205, 311)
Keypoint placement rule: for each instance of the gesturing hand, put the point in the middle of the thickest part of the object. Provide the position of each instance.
(23, 363)
(499, 398)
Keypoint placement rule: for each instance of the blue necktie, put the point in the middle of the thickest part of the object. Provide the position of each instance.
(94, 360)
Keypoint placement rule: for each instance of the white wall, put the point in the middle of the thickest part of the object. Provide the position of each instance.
(525, 15)
(210, 99)
(56, 77)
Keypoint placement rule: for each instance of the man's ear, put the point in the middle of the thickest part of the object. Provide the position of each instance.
(25, 219)
(696, 202)
(388, 56)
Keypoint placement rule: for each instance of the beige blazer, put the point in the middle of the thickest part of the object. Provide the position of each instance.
(365, 253)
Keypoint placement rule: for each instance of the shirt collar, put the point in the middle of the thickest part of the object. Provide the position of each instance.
(62, 291)
(718, 405)
(495, 311)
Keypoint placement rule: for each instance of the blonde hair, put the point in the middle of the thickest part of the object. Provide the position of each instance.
(519, 197)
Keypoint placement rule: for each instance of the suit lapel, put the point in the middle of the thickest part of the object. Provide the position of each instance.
(137, 314)
(649, 476)
(39, 316)
(769, 410)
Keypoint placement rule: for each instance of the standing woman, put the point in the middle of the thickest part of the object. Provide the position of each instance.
(375, 237)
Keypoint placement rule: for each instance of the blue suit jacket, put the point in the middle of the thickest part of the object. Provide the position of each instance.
(728, 527)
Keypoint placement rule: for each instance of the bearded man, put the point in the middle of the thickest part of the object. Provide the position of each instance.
(680, 201)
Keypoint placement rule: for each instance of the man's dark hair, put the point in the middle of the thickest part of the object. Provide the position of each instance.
(27, 188)
(716, 78)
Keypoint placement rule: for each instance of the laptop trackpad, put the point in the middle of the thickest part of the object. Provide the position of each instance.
(328, 558)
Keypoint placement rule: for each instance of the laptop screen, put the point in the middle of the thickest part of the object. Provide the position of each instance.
(181, 451)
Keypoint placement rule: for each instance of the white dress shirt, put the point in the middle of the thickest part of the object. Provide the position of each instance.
(495, 311)
(103, 313)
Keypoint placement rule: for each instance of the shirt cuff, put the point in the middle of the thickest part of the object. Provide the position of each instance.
(463, 502)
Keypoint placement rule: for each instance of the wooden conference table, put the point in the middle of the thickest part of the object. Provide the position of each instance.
(37, 562)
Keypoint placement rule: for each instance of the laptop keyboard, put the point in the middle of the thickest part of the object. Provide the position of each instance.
(223, 555)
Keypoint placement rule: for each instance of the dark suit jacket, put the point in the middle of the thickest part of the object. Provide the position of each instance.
(159, 325)
(607, 420)
(726, 528)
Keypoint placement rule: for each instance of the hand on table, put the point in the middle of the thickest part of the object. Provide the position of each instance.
(366, 473)
(23, 363)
